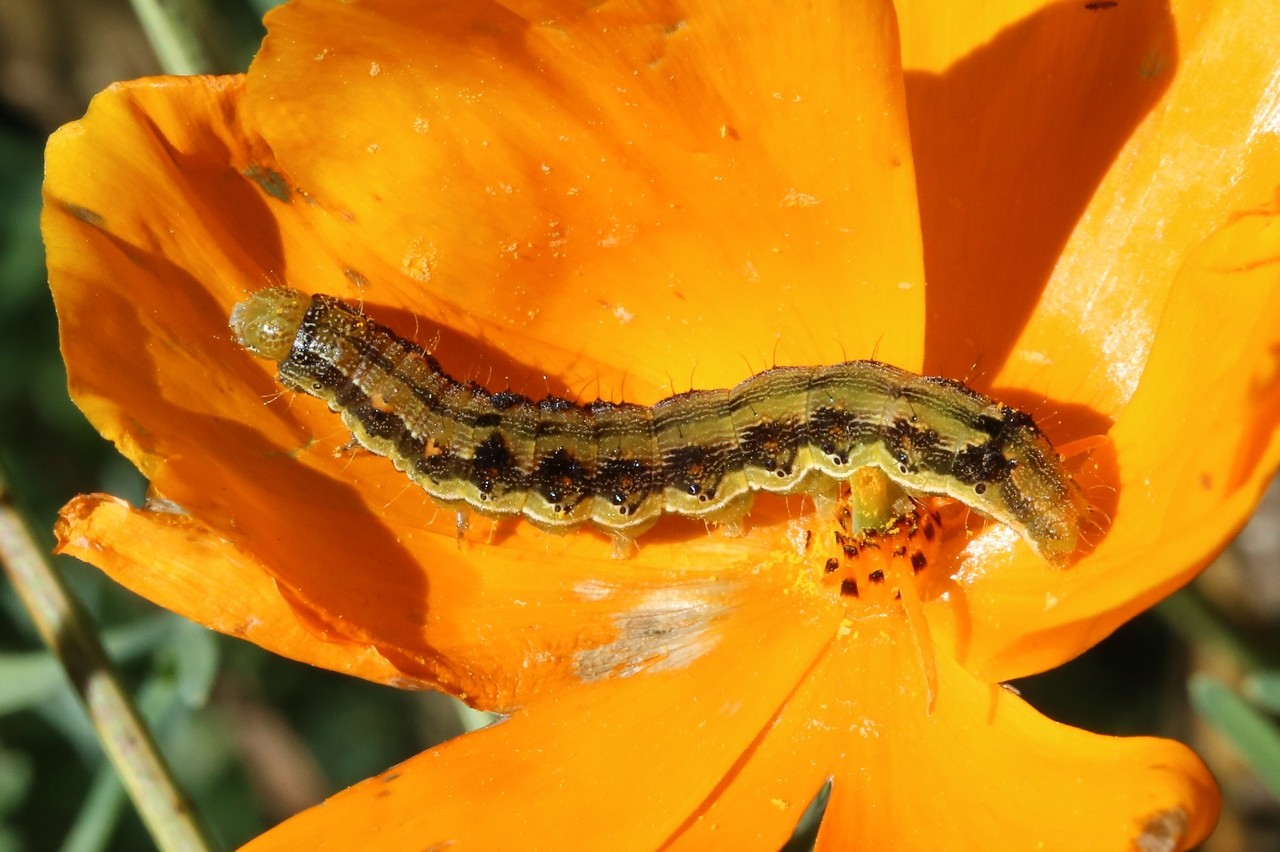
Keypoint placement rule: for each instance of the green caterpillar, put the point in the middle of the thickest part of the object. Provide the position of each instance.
(701, 454)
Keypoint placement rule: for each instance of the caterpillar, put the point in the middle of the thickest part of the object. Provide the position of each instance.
(701, 454)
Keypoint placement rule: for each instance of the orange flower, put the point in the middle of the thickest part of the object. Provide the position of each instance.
(627, 199)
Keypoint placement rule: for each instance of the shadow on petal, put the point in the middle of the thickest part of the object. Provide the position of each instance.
(1010, 143)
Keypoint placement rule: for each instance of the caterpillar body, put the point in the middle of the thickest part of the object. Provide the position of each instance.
(701, 454)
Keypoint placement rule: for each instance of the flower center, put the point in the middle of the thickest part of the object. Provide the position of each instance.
(876, 543)
(874, 550)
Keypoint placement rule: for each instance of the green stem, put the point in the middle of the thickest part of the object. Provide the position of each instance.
(172, 37)
(1253, 735)
(1263, 689)
(99, 815)
(1186, 613)
(73, 639)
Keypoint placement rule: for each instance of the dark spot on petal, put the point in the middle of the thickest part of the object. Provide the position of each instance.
(270, 182)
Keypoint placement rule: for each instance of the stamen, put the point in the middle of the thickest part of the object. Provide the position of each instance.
(904, 580)
(878, 542)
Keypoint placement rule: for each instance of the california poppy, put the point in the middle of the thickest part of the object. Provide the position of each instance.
(627, 200)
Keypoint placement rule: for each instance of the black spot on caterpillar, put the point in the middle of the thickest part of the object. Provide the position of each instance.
(701, 454)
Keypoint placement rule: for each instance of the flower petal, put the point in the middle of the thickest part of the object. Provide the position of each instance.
(1194, 450)
(670, 189)
(983, 770)
(206, 579)
(644, 751)
(1018, 110)
(1186, 320)
(1204, 155)
(149, 356)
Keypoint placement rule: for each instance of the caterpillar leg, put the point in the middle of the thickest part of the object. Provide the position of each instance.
(623, 546)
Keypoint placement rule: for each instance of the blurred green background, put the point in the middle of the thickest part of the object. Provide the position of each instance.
(255, 738)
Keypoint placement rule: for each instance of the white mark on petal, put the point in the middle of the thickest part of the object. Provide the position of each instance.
(419, 261)
(1034, 356)
(1266, 118)
(669, 628)
(796, 198)
(1164, 831)
(593, 590)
